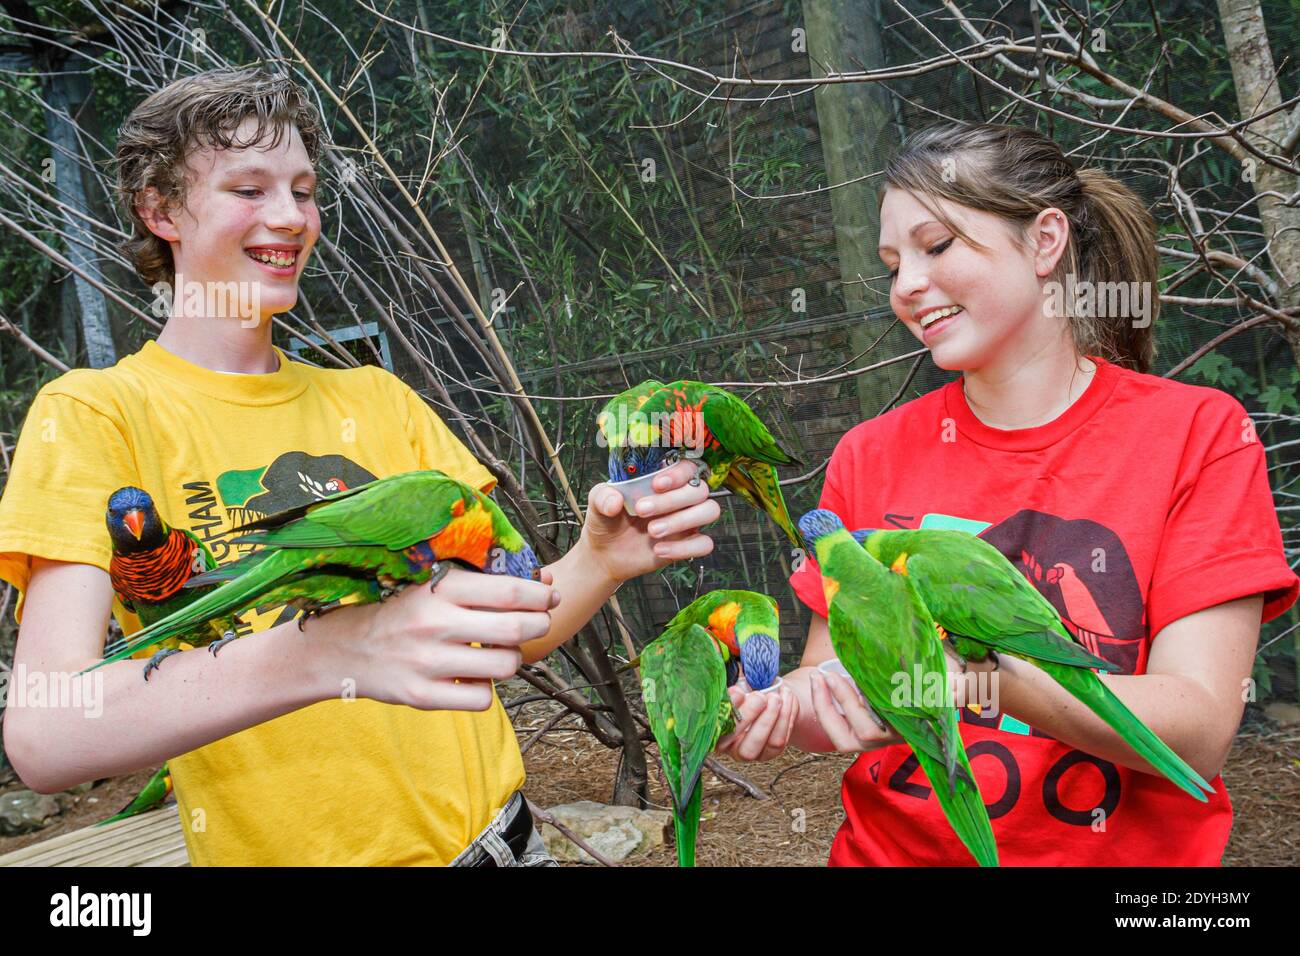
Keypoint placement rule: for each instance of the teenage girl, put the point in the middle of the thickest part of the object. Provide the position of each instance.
(1138, 506)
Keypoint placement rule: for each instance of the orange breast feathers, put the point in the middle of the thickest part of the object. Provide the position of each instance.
(468, 536)
(722, 625)
(830, 587)
(154, 575)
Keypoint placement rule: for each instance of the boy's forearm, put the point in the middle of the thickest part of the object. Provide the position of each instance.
(122, 723)
(584, 585)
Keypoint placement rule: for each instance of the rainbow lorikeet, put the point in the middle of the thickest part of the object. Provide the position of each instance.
(362, 544)
(749, 625)
(152, 795)
(985, 605)
(884, 636)
(151, 565)
(613, 421)
(703, 422)
(684, 687)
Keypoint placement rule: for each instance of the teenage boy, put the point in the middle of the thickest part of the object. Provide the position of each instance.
(373, 734)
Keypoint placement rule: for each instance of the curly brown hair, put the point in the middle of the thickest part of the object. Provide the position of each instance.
(203, 110)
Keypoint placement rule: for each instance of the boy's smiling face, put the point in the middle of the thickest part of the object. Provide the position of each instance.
(249, 216)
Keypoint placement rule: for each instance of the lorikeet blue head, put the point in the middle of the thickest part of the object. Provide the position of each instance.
(817, 524)
(133, 521)
(634, 461)
(519, 564)
(760, 657)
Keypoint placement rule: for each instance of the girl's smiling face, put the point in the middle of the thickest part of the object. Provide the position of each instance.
(995, 294)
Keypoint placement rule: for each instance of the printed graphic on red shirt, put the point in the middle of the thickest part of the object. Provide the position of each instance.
(1082, 568)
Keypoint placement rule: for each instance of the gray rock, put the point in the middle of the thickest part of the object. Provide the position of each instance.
(1283, 713)
(616, 833)
(23, 811)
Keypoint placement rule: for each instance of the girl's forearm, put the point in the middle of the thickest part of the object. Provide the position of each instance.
(1177, 709)
(111, 721)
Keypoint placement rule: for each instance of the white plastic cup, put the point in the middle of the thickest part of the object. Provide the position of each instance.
(633, 490)
(833, 666)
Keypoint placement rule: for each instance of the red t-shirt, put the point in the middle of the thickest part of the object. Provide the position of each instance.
(1147, 500)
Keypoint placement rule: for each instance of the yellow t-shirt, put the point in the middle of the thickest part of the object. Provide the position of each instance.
(338, 782)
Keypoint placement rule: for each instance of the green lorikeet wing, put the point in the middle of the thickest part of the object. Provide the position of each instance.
(934, 736)
(975, 593)
(248, 590)
(730, 426)
(393, 513)
(684, 685)
(973, 590)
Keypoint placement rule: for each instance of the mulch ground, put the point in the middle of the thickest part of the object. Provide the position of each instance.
(1262, 775)
(1263, 778)
(566, 765)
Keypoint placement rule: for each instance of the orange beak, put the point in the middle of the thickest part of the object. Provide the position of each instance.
(135, 521)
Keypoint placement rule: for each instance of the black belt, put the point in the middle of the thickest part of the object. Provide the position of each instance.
(517, 834)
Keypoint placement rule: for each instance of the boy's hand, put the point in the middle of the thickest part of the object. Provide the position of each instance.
(763, 723)
(417, 648)
(666, 529)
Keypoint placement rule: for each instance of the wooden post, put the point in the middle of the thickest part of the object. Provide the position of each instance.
(857, 133)
(64, 92)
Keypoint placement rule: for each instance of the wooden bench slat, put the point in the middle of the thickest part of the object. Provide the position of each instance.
(149, 839)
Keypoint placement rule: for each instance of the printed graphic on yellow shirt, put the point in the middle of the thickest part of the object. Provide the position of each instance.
(293, 479)
(346, 780)
(217, 509)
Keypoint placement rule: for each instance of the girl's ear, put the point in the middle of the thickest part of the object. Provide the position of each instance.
(156, 214)
(1052, 232)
